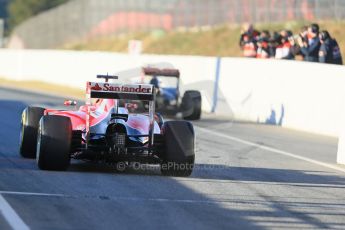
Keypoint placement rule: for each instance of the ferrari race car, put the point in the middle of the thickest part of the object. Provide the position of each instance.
(168, 100)
(102, 131)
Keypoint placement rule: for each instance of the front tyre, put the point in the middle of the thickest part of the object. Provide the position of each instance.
(28, 132)
(179, 153)
(54, 143)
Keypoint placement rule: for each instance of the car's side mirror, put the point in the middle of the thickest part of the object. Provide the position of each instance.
(70, 103)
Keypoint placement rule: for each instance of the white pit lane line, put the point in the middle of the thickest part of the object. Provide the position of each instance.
(11, 216)
(273, 150)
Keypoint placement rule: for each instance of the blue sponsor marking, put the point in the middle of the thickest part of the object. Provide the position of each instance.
(216, 85)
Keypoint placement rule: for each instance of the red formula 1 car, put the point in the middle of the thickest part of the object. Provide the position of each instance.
(105, 132)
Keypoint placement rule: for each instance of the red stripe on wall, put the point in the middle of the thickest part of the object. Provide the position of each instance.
(132, 21)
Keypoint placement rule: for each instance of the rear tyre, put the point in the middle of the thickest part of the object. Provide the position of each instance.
(191, 105)
(178, 155)
(54, 143)
(28, 133)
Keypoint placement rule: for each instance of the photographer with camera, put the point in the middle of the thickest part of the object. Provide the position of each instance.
(262, 44)
(248, 39)
(285, 50)
(329, 51)
(273, 43)
(310, 47)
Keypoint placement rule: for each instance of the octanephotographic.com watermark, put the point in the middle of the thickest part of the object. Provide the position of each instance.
(121, 166)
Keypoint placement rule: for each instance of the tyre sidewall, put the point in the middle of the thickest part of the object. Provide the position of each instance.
(179, 150)
(29, 129)
(54, 143)
(191, 105)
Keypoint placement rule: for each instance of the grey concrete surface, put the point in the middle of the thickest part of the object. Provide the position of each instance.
(234, 185)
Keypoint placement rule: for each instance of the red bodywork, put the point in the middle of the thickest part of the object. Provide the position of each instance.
(100, 112)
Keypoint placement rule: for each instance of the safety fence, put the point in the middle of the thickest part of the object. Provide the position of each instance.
(85, 19)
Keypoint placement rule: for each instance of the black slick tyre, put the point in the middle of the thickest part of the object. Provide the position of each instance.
(179, 153)
(191, 105)
(54, 143)
(28, 131)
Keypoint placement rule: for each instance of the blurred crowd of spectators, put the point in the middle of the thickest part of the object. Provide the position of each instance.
(311, 44)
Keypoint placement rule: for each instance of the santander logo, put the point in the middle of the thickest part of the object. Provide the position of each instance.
(116, 88)
(96, 88)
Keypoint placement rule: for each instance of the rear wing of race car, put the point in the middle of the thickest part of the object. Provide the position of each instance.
(141, 92)
(161, 72)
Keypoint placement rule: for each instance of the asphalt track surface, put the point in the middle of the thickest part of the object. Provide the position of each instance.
(247, 176)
